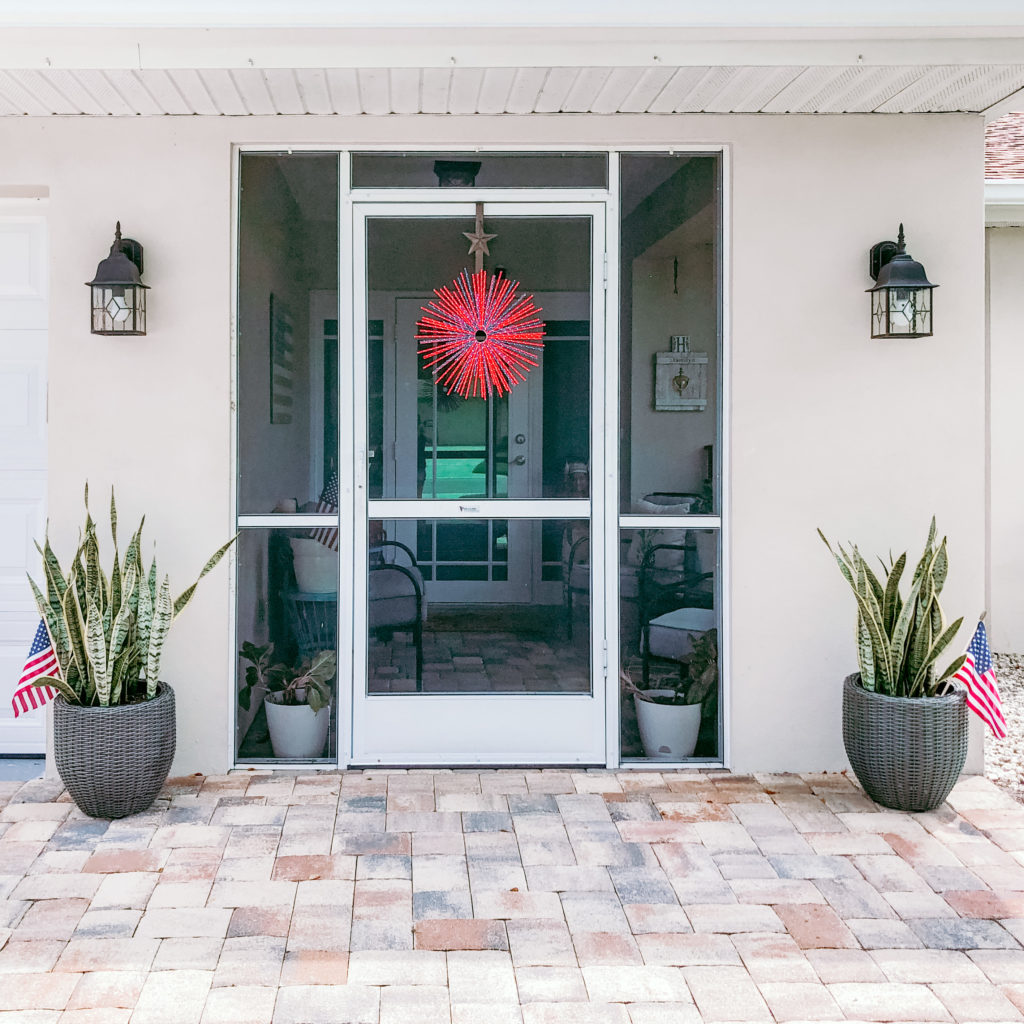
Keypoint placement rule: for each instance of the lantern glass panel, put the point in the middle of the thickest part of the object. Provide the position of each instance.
(901, 313)
(118, 309)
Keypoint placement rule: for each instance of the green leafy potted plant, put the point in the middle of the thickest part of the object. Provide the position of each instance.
(114, 726)
(297, 699)
(904, 724)
(669, 714)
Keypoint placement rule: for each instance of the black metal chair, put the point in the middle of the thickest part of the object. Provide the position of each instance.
(397, 599)
(675, 602)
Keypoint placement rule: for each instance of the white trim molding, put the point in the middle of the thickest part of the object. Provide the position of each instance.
(1004, 204)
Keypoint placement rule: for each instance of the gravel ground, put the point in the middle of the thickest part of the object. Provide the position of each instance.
(1004, 759)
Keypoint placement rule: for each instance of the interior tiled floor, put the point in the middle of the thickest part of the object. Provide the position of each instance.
(478, 662)
(510, 897)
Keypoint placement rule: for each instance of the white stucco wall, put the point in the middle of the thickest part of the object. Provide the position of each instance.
(1005, 259)
(827, 428)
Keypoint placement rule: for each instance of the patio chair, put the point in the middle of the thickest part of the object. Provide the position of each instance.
(397, 598)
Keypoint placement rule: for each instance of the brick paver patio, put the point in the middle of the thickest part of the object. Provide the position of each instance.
(510, 897)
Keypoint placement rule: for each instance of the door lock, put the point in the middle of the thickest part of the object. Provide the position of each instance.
(520, 439)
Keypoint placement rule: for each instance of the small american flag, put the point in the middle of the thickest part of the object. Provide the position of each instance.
(41, 661)
(979, 677)
(328, 505)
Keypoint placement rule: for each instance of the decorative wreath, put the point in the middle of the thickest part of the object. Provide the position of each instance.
(480, 336)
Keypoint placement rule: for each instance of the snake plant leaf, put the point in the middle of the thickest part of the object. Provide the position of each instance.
(133, 556)
(891, 603)
(941, 642)
(951, 669)
(920, 640)
(186, 596)
(865, 655)
(883, 671)
(58, 684)
(877, 591)
(76, 635)
(900, 632)
(144, 619)
(54, 619)
(163, 614)
(96, 645)
(940, 566)
(119, 633)
(56, 584)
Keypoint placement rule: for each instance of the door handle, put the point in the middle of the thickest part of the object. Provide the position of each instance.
(519, 460)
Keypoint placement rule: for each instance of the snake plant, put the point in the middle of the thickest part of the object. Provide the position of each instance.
(899, 641)
(108, 633)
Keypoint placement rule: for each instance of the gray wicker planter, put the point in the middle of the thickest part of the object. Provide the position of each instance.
(906, 752)
(114, 760)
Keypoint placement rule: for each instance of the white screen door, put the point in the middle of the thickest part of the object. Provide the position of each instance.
(465, 506)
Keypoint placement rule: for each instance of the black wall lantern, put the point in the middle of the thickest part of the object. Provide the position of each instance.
(118, 294)
(901, 300)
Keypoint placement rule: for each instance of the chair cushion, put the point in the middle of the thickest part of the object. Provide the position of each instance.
(393, 597)
(671, 635)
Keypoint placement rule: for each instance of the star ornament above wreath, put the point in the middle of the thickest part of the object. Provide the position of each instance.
(480, 336)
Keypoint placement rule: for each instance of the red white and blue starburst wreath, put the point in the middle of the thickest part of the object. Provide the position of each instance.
(481, 337)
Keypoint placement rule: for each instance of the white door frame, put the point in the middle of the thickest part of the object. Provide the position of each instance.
(24, 315)
(350, 448)
(505, 728)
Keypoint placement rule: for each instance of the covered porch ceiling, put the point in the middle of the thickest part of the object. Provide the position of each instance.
(311, 58)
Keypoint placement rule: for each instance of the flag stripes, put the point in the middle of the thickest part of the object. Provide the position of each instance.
(41, 661)
(978, 675)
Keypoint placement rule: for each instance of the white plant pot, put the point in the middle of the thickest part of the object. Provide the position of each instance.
(668, 731)
(296, 731)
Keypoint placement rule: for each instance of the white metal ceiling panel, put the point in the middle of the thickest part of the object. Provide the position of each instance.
(464, 92)
(72, 88)
(958, 88)
(404, 84)
(312, 83)
(435, 88)
(343, 84)
(711, 85)
(750, 89)
(648, 86)
(498, 90)
(161, 87)
(7, 107)
(23, 100)
(253, 89)
(190, 85)
(131, 88)
(494, 90)
(284, 90)
(679, 86)
(374, 90)
(223, 91)
(525, 90)
(805, 90)
(556, 88)
(866, 90)
(619, 84)
(100, 87)
(45, 92)
(588, 84)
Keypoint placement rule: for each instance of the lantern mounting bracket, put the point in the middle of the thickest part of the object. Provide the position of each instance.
(880, 254)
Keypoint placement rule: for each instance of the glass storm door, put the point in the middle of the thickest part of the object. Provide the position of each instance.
(468, 501)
